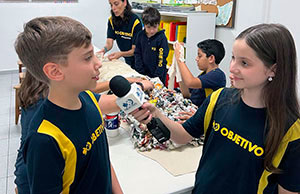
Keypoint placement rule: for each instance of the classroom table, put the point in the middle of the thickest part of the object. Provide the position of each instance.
(138, 174)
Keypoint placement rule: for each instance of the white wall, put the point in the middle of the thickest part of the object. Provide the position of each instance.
(92, 13)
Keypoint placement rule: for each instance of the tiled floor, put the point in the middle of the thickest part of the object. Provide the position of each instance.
(9, 132)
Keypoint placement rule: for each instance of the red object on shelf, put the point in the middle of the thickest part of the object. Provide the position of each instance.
(173, 25)
(172, 31)
(176, 84)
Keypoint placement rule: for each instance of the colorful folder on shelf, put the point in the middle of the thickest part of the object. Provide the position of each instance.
(181, 32)
(173, 27)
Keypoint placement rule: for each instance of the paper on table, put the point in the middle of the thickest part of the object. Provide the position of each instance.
(180, 161)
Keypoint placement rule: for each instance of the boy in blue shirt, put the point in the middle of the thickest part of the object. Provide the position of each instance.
(66, 149)
(210, 54)
(151, 49)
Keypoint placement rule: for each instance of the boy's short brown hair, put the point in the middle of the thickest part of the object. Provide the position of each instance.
(151, 16)
(49, 39)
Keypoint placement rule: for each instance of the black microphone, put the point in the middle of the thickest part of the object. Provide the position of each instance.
(131, 97)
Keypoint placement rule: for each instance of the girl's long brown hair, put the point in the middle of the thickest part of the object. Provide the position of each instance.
(31, 91)
(274, 44)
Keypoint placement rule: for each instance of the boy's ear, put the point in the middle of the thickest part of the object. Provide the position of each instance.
(211, 59)
(53, 71)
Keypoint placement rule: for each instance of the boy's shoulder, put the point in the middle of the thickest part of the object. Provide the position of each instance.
(216, 72)
(161, 34)
(141, 34)
(47, 110)
(220, 71)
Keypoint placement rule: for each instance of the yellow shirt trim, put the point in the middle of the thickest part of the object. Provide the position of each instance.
(68, 151)
(208, 91)
(208, 114)
(111, 23)
(136, 22)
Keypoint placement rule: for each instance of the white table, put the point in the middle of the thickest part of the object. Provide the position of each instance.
(138, 174)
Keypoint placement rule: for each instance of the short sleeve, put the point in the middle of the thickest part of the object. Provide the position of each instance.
(290, 165)
(195, 125)
(45, 164)
(110, 31)
(214, 79)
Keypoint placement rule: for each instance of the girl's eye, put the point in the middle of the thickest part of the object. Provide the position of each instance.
(232, 57)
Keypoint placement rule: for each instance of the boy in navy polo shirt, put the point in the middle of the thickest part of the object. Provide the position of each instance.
(151, 49)
(210, 54)
(66, 149)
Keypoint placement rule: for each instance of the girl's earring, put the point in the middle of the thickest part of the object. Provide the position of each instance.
(270, 79)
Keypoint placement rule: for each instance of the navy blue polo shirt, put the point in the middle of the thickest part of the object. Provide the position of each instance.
(211, 81)
(232, 158)
(67, 151)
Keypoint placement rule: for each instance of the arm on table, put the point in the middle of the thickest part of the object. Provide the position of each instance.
(108, 45)
(184, 90)
(117, 55)
(104, 86)
(107, 104)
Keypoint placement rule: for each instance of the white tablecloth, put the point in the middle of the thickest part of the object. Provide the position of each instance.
(138, 174)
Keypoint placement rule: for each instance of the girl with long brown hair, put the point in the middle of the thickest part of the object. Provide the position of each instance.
(253, 129)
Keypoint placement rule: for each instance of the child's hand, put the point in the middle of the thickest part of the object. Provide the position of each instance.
(100, 55)
(101, 52)
(177, 47)
(148, 85)
(115, 55)
(145, 113)
(183, 116)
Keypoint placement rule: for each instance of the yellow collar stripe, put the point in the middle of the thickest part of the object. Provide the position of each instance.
(292, 135)
(67, 149)
(95, 102)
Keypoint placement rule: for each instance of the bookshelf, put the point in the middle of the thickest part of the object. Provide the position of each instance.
(200, 26)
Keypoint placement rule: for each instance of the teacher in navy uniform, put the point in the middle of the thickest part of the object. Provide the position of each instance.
(123, 26)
